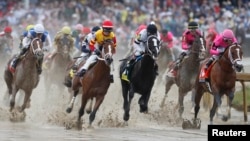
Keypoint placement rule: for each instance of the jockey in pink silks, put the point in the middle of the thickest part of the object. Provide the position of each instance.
(188, 38)
(221, 42)
(167, 37)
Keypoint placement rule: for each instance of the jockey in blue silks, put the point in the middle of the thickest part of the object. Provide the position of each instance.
(37, 32)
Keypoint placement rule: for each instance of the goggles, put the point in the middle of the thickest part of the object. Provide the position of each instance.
(107, 29)
(227, 40)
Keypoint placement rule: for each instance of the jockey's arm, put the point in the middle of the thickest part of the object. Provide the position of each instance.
(48, 43)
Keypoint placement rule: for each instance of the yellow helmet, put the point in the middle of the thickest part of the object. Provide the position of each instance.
(29, 27)
(66, 30)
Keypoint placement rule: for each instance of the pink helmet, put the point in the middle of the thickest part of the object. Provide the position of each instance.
(228, 34)
(79, 27)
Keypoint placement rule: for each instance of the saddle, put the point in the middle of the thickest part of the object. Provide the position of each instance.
(130, 63)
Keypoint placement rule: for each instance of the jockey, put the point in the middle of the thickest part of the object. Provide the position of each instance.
(188, 38)
(76, 34)
(105, 33)
(135, 35)
(85, 47)
(29, 27)
(6, 39)
(65, 31)
(140, 40)
(211, 35)
(220, 44)
(167, 37)
(38, 32)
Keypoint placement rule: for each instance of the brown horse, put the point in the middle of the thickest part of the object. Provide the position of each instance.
(95, 83)
(187, 73)
(222, 80)
(56, 70)
(26, 76)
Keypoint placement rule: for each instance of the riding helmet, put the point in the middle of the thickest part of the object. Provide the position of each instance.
(39, 28)
(152, 29)
(107, 25)
(29, 27)
(228, 34)
(193, 25)
(7, 29)
(94, 29)
(66, 30)
(164, 31)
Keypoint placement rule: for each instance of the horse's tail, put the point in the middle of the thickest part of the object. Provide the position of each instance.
(207, 101)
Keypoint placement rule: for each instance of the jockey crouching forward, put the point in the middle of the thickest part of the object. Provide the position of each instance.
(139, 46)
(85, 47)
(167, 37)
(221, 42)
(104, 34)
(188, 38)
(38, 32)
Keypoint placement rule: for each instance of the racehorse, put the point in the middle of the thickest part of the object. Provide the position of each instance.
(56, 70)
(141, 77)
(94, 83)
(187, 72)
(222, 80)
(26, 76)
(165, 59)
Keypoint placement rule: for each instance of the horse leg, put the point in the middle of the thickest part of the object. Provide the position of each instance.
(26, 100)
(216, 104)
(229, 104)
(98, 102)
(71, 105)
(89, 108)
(143, 102)
(168, 85)
(13, 98)
(180, 101)
(127, 98)
(81, 111)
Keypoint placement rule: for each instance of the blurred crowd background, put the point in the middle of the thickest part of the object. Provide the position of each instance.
(127, 15)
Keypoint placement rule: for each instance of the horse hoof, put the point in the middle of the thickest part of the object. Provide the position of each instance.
(224, 118)
(69, 110)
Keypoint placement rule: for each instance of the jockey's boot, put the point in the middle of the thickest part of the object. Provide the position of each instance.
(17, 58)
(111, 78)
(209, 62)
(74, 68)
(81, 72)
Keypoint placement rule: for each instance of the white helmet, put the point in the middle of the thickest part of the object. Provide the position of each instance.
(39, 28)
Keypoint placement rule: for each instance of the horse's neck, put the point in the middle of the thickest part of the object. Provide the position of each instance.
(225, 64)
(29, 60)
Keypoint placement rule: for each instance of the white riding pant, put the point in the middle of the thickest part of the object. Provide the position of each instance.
(90, 60)
(138, 49)
(26, 42)
(83, 57)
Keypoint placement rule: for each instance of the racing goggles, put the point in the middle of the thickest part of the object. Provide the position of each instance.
(107, 29)
(227, 40)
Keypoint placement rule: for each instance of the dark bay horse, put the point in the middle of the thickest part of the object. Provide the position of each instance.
(187, 72)
(94, 83)
(26, 76)
(141, 79)
(56, 70)
(222, 80)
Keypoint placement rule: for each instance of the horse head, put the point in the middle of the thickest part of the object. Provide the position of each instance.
(153, 46)
(36, 48)
(234, 54)
(198, 46)
(64, 46)
(108, 51)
